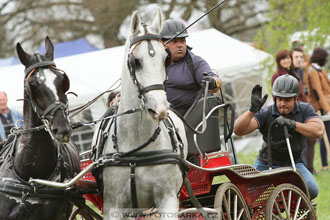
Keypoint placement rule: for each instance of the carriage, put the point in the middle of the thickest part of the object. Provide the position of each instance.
(245, 194)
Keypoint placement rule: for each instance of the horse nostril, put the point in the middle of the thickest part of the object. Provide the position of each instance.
(55, 131)
(66, 138)
(62, 133)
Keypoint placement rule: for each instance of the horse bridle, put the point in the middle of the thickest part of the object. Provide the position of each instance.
(51, 109)
(132, 64)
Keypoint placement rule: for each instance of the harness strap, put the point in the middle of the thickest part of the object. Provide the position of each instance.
(190, 65)
(193, 199)
(39, 64)
(145, 37)
(143, 159)
(53, 107)
(151, 139)
(170, 129)
(133, 186)
(152, 87)
(181, 145)
(114, 135)
(146, 158)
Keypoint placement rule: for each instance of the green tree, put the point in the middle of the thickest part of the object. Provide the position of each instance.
(286, 17)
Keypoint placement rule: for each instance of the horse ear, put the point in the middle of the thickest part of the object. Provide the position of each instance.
(157, 23)
(22, 56)
(49, 48)
(135, 23)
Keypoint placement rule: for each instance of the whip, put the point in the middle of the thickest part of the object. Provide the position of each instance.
(208, 12)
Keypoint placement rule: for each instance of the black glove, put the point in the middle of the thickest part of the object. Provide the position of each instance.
(289, 123)
(256, 101)
(211, 80)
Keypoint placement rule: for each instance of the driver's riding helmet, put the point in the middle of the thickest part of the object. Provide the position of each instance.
(171, 28)
(286, 86)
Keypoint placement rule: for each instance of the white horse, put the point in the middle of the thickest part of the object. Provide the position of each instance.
(143, 79)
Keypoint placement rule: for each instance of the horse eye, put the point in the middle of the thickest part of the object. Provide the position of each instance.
(33, 82)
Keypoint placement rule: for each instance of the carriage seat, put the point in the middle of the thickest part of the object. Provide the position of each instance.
(209, 141)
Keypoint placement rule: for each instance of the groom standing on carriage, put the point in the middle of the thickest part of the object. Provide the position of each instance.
(187, 72)
(298, 117)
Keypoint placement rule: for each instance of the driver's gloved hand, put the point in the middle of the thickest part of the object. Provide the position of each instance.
(212, 82)
(256, 101)
(289, 123)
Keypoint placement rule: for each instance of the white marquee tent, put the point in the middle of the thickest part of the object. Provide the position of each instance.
(238, 64)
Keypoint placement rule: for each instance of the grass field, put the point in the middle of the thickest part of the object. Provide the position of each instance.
(322, 178)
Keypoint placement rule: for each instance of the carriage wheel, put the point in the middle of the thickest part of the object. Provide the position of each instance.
(289, 202)
(230, 203)
(80, 214)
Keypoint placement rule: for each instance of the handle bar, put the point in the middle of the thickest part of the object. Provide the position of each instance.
(231, 128)
(65, 185)
(286, 134)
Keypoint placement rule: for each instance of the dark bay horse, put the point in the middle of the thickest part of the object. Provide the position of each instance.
(41, 148)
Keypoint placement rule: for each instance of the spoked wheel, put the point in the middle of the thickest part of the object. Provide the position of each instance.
(230, 203)
(80, 214)
(289, 202)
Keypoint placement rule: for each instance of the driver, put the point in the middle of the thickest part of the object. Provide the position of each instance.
(187, 71)
(299, 117)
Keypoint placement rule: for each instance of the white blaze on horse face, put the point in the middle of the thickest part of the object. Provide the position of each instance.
(50, 82)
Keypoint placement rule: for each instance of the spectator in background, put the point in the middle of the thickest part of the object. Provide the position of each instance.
(319, 97)
(112, 103)
(114, 96)
(298, 62)
(9, 117)
(285, 66)
(301, 45)
(298, 44)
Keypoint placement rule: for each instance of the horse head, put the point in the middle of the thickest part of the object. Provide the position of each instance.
(45, 89)
(146, 60)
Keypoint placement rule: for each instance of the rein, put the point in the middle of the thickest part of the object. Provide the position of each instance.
(204, 121)
(21, 130)
(80, 124)
(79, 109)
